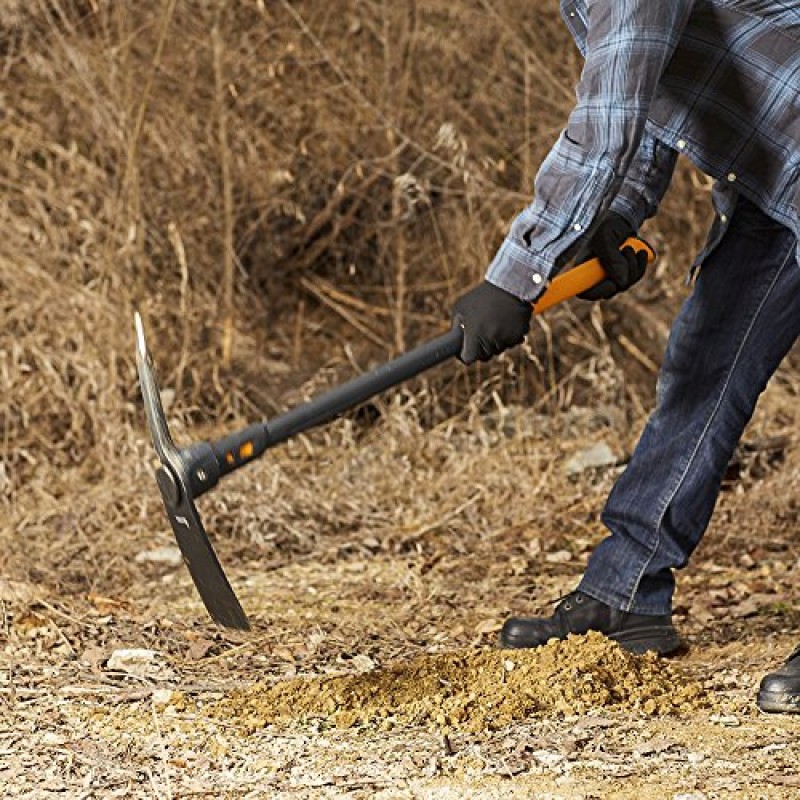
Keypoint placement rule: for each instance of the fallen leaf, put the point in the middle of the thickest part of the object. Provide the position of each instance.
(106, 605)
(20, 592)
(657, 745)
(199, 649)
(488, 626)
(93, 656)
(784, 780)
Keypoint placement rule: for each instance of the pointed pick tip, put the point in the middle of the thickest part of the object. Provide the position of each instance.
(238, 624)
(230, 615)
(140, 342)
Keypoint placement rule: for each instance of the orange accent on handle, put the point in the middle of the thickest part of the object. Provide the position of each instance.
(583, 277)
(246, 450)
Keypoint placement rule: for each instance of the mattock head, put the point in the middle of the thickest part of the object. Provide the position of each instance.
(176, 492)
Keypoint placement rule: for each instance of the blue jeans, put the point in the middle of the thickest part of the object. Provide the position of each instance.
(727, 341)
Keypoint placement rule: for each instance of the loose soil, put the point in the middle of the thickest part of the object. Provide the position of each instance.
(477, 690)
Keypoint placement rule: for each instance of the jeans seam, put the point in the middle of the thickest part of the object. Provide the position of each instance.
(671, 495)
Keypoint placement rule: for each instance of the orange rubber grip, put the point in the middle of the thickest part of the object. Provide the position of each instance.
(583, 277)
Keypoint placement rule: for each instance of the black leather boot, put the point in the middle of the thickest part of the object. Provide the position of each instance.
(780, 690)
(579, 613)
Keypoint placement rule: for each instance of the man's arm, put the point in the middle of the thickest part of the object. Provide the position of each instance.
(646, 181)
(628, 46)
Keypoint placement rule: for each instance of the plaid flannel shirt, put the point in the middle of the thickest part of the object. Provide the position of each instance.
(715, 80)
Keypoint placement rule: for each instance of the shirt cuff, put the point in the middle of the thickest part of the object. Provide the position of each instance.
(634, 212)
(518, 271)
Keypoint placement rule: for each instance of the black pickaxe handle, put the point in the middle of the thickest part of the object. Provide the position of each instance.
(237, 449)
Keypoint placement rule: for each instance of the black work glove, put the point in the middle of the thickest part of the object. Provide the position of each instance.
(624, 267)
(493, 320)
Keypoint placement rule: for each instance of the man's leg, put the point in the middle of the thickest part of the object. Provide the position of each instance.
(725, 344)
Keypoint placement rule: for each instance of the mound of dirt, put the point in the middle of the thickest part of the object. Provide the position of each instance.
(476, 690)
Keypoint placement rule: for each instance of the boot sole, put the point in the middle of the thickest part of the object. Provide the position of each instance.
(663, 641)
(779, 702)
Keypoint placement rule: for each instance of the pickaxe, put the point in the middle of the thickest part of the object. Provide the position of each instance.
(186, 473)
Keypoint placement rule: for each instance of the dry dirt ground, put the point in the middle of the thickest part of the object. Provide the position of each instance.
(371, 670)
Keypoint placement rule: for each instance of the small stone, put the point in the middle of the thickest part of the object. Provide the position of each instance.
(362, 663)
(167, 556)
(598, 455)
(139, 662)
(162, 697)
(558, 557)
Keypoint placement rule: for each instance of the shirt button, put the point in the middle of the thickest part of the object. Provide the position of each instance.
(731, 177)
(536, 278)
(723, 218)
(577, 227)
(681, 144)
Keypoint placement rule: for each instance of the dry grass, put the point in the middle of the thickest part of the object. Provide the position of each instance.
(289, 192)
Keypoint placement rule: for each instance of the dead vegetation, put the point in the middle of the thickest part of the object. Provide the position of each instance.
(291, 192)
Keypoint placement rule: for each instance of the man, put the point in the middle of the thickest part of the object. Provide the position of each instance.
(716, 80)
